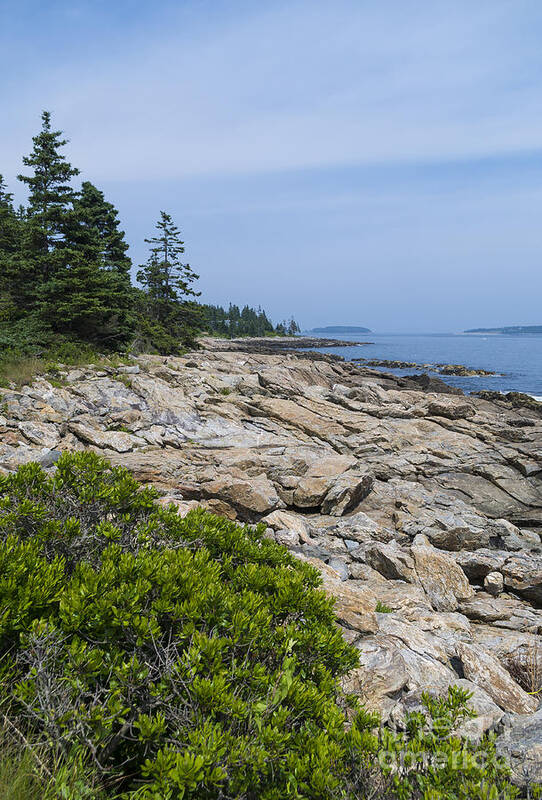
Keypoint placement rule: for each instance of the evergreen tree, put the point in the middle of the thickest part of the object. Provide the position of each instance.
(165, 279)
(9, 221)
(10, 234)
(94, 230)
(293, 327)
(87, 302)
(49, 203)
(17, 269)
(91, 296)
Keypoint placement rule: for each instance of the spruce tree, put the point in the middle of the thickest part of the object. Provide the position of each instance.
(168, 316)
(86, 302)
(9, 221)
(95, 230)
(165, 279)
(10, 235)
(91, 296)
(49, 202)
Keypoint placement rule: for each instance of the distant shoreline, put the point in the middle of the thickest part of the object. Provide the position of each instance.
(507, 330)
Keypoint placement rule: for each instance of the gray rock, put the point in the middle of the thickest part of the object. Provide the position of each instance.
(48, 458)
(129, 370)
(391, 561)
(521, 744)
(346, 493)
(522, 573)
(341, 567)
(288, 538)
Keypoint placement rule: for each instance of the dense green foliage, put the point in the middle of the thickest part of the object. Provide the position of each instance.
(64, 274)
(192, 658)
(233, 322)
(65, 271)
(245, 322)
(167, 289)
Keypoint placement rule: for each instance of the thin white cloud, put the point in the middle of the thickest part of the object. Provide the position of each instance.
(299, 85)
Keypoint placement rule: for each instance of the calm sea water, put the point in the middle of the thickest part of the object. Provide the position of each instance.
(517, 359)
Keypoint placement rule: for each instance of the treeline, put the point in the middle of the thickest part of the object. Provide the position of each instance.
(65, 274)
(245, 322)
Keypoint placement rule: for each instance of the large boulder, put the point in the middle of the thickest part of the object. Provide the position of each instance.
(346, 493)
(522, 573)
(488, 713)
(451, 409)
(119, 441)
(391, 561)
(251, 495)
(284, 520)
(44, 434)
(442, 578)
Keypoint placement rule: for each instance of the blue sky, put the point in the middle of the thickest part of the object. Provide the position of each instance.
(347, 161)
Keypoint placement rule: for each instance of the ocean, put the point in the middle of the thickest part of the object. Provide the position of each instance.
(516, 359)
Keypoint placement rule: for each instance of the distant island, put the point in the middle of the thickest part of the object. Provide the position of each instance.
(341, 329)
(514, 330)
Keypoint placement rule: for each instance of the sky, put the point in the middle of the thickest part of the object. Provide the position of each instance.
(365, 162)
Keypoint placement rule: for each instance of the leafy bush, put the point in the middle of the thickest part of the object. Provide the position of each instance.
(192, 658)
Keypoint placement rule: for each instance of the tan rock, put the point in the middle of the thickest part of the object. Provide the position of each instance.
(250, 494)
(112, 440)
(486, 672)
(346, 493)
(494, 583)
(443, 580)
(310, 491)
(279, 520)
(392, 561)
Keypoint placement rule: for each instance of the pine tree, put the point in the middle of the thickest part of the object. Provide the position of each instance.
(94, 230)
(91, 296)
(49, 203)
(166, 281)
(84, 301)
(10, 236)
(9, 221)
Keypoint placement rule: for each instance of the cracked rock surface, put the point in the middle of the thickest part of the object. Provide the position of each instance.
(421, 507)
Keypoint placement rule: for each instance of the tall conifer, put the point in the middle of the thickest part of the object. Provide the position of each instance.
(96, 232)
(49, 202)
(165, 279)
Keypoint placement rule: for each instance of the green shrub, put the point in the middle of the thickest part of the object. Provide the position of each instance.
(192, 658)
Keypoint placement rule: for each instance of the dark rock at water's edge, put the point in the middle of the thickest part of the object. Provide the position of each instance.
(458, 370)
(275, 344)
(513, 399)
(429, 384)
(258, 344)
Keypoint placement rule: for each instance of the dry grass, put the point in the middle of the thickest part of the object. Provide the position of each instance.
(525, 666)
(19, 770)
(20, 371)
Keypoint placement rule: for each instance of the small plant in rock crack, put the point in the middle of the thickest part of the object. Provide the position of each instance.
(382, 608)
(525, 666)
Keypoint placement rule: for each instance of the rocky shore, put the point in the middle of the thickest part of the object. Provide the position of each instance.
(458, 370)
(421, 507)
